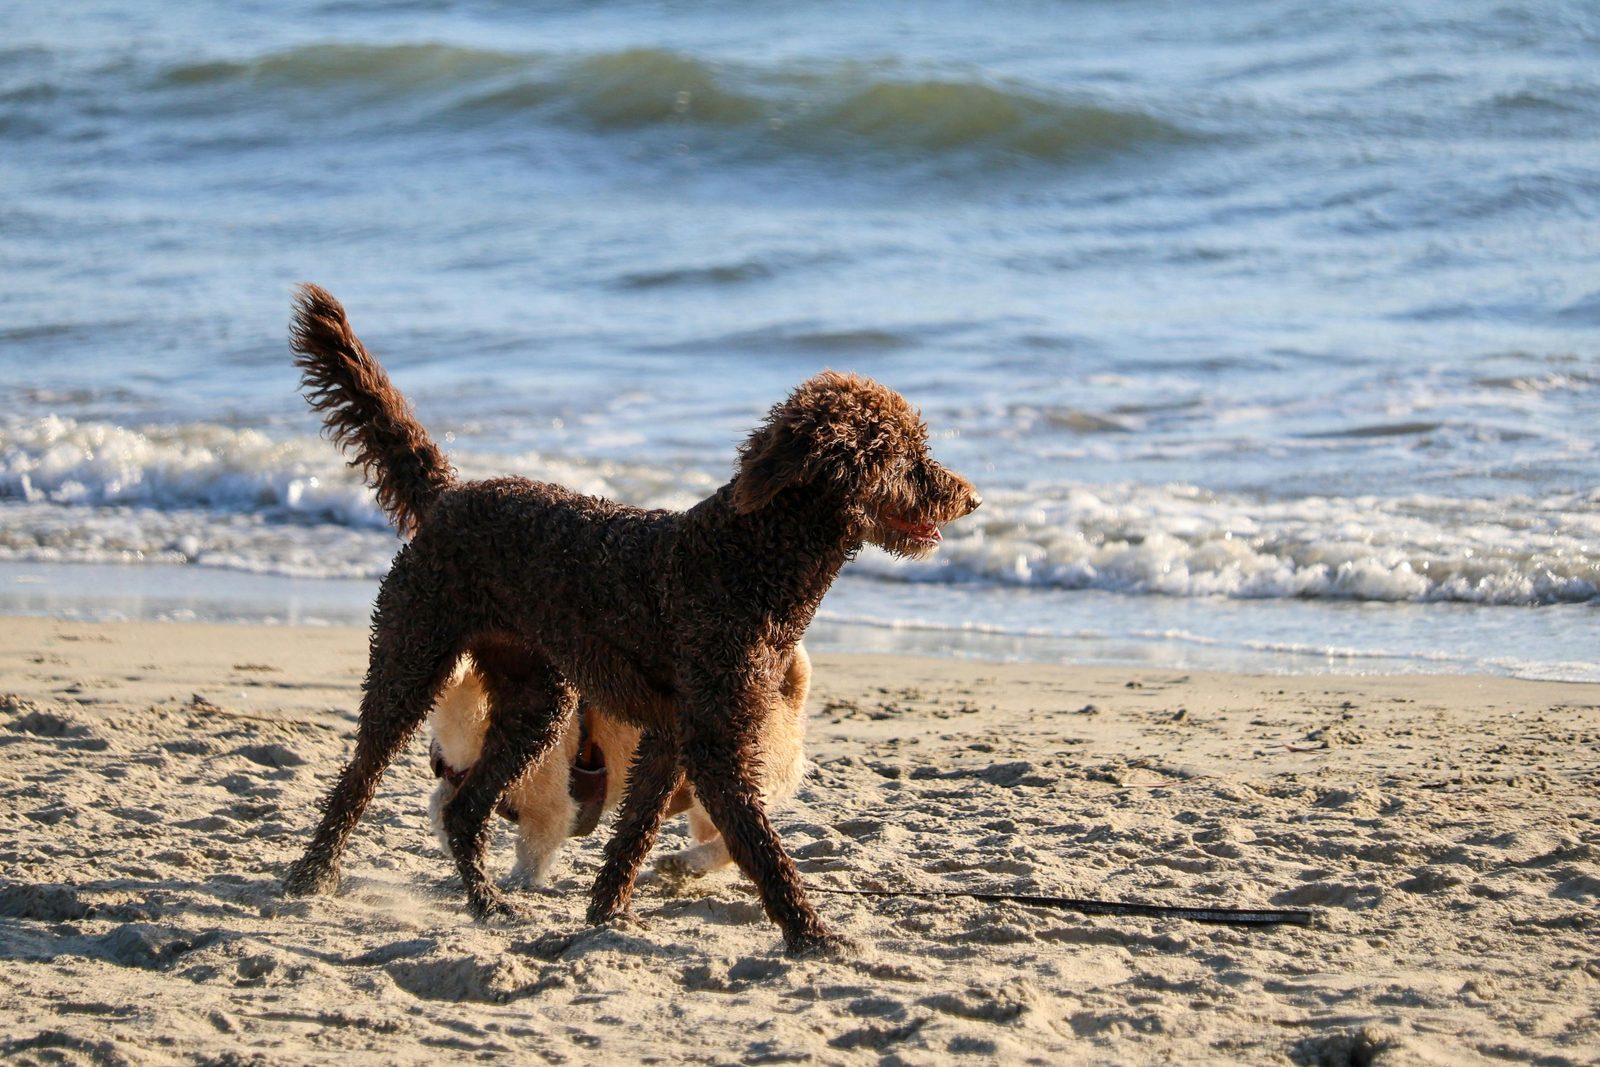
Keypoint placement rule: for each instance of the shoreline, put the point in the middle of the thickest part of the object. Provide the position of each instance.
(335, 654)
(158, 777)
(864, 613)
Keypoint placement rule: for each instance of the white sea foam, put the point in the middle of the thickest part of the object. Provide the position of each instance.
(242, 499)
(1180, 541)
(197, 465)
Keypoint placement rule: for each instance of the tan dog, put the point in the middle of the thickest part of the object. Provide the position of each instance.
(552, 800)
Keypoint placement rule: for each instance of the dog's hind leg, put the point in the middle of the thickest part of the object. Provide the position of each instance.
(411, 655)
(528, 704)
(653, 778)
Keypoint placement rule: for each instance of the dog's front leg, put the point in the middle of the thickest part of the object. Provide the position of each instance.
(718, 751)
(653, 778)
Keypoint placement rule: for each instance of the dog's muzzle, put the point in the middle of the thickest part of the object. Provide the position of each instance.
(587, 782)
(455, 776)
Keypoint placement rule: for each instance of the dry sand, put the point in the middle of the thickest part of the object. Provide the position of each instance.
(158, 778)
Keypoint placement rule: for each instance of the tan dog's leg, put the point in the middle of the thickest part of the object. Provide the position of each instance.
(708, 854)
(540, 797)
(459, 719)
(528, 705)
(545, 809)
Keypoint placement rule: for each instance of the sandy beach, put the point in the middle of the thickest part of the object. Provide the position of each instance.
(1445, 831)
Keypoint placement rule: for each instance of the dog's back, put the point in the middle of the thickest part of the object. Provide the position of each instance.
(500, 543)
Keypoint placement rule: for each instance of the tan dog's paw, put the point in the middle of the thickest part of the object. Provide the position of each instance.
(532, 871)
(680, 867)
(696, 861)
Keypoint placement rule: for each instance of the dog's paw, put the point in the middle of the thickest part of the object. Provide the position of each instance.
(306, 879)
(624, 920)
(489, 904)
(599, 913)
(822, 945)
(680, 866)
(696, 861)
(533, 867)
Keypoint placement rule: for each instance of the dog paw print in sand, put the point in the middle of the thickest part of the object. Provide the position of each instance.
(492, 978)
(32, 722)
(43, 903)
(273, 755)
(1003, 1004)
(897, 1014)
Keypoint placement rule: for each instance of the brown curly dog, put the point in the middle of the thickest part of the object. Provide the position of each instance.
(682, 623)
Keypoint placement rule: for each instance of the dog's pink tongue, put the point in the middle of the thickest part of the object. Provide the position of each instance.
(924, 531)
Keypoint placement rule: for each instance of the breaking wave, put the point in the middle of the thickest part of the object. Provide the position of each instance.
(1185, 542)
(240, 498)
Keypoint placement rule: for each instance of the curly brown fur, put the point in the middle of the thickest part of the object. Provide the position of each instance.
(681, 623)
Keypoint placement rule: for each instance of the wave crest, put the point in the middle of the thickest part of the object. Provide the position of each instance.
(834, 112)
(938, 116)
(319, 66)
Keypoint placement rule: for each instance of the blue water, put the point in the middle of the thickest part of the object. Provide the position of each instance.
(1268, 330)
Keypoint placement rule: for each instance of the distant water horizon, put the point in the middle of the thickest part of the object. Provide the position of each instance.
(1267, 330)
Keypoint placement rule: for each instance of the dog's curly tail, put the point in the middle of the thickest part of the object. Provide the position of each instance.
(364, 413)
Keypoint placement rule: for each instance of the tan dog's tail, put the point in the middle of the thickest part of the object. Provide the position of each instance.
(364, 413)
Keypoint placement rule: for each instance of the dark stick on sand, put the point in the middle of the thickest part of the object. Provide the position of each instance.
(1228, 916)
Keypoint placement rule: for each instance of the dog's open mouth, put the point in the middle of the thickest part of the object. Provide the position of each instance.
(923, 533)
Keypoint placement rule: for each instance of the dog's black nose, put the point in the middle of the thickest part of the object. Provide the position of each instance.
(973, 502)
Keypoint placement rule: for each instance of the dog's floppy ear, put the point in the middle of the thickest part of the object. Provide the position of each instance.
(775, 457)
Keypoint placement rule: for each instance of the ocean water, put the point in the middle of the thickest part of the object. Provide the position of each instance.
(1270, 331)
